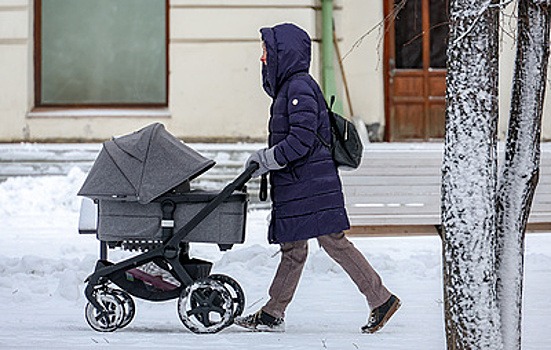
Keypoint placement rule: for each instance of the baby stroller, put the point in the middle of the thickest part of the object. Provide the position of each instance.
(139, 198)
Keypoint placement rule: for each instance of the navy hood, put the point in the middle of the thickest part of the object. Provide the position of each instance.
(289, 52)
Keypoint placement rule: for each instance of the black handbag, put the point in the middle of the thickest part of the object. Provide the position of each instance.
(346, 145)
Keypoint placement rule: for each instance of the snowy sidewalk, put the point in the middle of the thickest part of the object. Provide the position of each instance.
(43, 262)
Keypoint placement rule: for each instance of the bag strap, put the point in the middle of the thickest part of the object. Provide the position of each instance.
(263, 193)
(331, 121)
(333, 124)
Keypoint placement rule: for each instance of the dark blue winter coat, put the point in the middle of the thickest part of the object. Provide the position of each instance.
(307, 198)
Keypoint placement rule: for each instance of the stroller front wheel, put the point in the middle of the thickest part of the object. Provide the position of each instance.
(112, 315)
(206, 306)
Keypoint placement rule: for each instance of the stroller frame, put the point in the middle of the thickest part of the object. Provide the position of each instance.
(212, 294)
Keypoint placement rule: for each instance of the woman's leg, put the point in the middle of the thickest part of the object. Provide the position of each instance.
(284, 284)
(357, 267)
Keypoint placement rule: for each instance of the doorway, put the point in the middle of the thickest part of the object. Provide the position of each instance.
(416, 35)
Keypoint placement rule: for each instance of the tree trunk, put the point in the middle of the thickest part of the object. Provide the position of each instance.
(469, 174)
(521, 168)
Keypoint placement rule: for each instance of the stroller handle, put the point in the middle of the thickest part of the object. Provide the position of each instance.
(253, 166)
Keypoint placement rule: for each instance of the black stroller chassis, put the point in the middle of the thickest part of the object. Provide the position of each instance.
(207, 303)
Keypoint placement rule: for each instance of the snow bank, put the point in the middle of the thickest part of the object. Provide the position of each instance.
(41, 195)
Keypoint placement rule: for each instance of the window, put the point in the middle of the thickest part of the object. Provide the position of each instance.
(411, 36)
(101, 53)
(439, 27)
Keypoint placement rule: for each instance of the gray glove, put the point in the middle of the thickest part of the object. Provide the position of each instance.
(265, 159)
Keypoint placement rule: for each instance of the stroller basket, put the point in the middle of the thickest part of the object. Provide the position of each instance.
(132, 221)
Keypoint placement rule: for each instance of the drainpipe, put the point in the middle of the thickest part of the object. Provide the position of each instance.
(328, 71)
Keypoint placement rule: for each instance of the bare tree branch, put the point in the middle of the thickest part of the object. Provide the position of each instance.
(390, 18)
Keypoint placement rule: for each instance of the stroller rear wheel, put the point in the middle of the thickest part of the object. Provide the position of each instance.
(128, 306)
(236, 292)
(206, 306)
(108, 319)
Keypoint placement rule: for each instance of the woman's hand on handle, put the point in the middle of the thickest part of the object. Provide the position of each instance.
(265, 159)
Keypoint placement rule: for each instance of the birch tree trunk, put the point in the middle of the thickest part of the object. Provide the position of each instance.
(521, 169)
(469, 174)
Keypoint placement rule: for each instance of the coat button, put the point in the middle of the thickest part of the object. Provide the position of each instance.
(294, 102)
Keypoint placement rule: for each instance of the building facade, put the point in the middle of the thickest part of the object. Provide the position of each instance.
(86, 70)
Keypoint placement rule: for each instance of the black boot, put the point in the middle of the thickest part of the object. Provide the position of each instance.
(380, 315)
(261, 322)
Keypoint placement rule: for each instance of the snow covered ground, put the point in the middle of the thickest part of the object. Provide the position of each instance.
(43, 262)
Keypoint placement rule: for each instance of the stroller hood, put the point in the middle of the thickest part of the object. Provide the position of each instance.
(142, 166)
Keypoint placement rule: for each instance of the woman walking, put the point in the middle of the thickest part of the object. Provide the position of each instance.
(306, 192)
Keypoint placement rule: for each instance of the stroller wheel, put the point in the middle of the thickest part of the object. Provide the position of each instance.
(128, 306)
(108, 319)
(236, 292)
(206, 306)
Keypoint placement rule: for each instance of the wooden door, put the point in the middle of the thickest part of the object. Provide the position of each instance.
(415, 69)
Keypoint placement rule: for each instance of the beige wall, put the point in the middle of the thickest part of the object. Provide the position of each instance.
(364, 65)
(14, 67)
(215, 81)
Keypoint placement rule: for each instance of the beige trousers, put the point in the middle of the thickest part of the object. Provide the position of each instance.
(340, 249)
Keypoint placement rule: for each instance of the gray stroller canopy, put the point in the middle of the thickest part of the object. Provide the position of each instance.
(142, 166)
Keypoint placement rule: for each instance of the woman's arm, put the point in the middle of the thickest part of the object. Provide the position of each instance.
(302, 106)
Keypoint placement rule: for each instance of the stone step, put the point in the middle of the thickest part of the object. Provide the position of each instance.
(59, 159)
